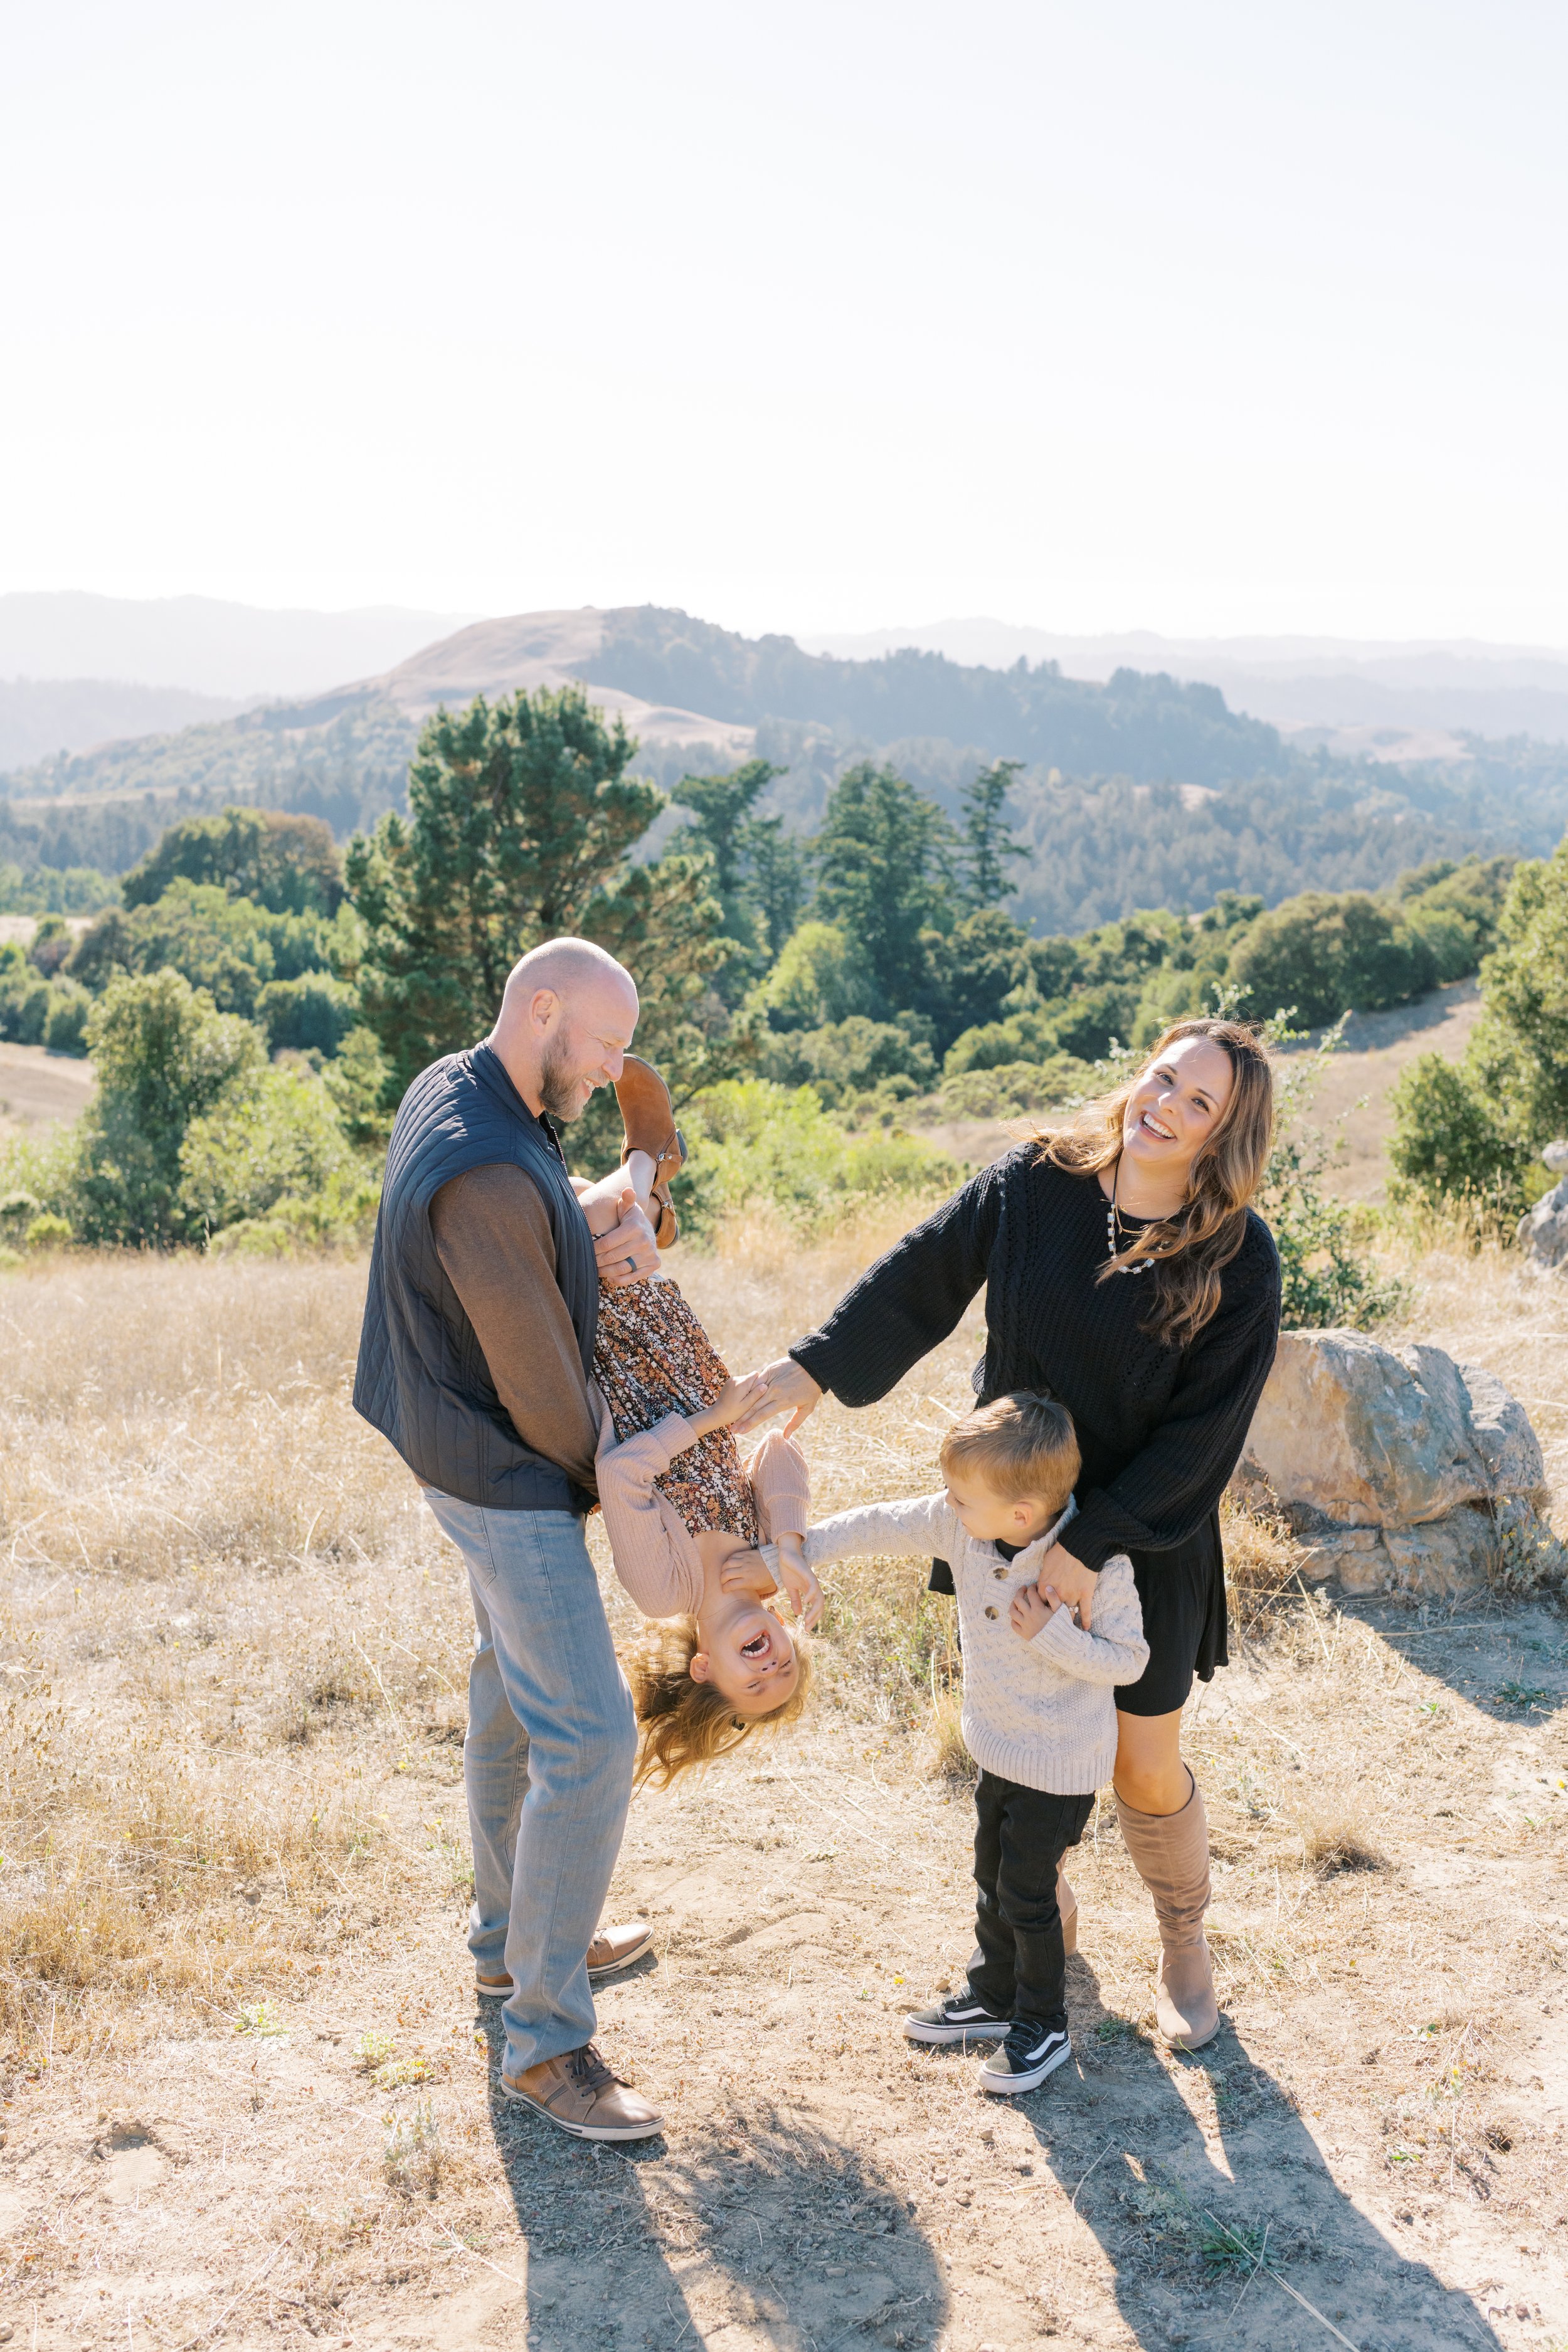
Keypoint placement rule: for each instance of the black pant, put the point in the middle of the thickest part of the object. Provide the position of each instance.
(1020, 1835)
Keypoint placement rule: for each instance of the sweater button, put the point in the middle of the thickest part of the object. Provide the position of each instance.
(991, 1613)
(1000, 1572)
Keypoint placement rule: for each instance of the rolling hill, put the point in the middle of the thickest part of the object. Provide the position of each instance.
(1139, 789)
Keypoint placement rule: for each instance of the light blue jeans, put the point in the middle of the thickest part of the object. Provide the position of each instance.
(548, 1764)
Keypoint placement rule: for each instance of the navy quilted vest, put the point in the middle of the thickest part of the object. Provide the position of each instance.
(422, 1378)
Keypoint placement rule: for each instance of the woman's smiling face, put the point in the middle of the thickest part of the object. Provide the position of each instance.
(1176, 1107)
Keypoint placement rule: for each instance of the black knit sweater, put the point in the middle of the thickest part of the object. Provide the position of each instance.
(1161, 1428)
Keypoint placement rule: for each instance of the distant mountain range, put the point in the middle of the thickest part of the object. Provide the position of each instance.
(1140, 789)
(40, 716)
(208, 646)
(1360, 700)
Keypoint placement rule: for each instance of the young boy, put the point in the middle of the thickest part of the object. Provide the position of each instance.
(1039, 1709)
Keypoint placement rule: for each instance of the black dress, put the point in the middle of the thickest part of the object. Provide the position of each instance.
(1161, 1428)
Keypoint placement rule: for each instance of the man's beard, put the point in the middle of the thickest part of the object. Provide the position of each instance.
(559, 1083)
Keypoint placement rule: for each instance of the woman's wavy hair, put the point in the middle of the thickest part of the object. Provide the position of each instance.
(1191, 1250)
(684, 1723)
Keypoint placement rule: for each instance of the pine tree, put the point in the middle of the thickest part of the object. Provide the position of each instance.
(521, 822)
(877, 854)
(987, 839)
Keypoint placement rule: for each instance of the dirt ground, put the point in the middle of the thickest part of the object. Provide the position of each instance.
(249, 2095)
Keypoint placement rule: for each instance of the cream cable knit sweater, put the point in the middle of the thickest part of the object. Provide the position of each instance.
(1042, 1713)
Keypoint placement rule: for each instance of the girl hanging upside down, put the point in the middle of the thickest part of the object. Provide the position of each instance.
(683, 1514)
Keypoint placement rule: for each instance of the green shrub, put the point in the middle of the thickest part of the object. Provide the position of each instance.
(1320, 955)
(850, 1057)
(1326, 1276)
(312, 1011)
(271, 1134)
(164, 1056)
(1014, 1089)
(820, 979)
(47, 1230)
(358, 1080)
(287, 863)
(1468, 1136)
(1453, 1146)
(65, 1024)
(338, 1213)
(752, 1142)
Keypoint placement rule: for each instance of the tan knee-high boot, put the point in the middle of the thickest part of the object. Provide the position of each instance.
(1067, 1903)
(1171, 1855)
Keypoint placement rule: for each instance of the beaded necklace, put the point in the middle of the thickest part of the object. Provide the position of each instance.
(1111, 1223)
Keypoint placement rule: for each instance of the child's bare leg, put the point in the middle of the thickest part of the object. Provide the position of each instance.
(603, 1203)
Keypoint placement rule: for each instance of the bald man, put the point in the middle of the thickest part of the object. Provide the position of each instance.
(474, 1359)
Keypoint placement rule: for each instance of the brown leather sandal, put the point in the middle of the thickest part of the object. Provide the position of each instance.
(647, 1116)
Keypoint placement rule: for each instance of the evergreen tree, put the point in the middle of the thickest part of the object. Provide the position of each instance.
(778, 878)
(287, 863)
(521, 822)
(986, 837)
(877, 853)
(721, 805)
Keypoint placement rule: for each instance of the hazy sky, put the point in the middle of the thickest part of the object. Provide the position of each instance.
(1209, 318)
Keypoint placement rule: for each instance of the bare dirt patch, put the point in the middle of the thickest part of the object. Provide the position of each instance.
(249, 2095)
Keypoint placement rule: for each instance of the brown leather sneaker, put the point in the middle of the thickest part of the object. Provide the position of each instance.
(618, 1947)
(580, 2095)
(647, 1116)
(612, 1948)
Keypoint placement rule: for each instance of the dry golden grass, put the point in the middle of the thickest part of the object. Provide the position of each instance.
(245, 2094)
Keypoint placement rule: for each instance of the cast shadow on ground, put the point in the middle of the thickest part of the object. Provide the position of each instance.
(1509, 1658)
(1115, 2131)
(762, 2199)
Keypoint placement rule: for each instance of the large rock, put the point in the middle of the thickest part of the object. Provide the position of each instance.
(1398, 1467)
(1543, 1232)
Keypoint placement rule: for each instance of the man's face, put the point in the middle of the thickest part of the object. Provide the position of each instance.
(586, 1048)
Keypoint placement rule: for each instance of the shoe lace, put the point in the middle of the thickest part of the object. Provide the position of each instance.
(589, 2070)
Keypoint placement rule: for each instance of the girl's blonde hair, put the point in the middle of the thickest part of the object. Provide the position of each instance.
(686, 1722)
(1191, 1250)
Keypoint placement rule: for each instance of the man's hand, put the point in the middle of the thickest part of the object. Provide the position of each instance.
(786, 1389)
(1069, 1580)
(628, 1253)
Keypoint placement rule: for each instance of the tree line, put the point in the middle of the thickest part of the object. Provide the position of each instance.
(256, 1003)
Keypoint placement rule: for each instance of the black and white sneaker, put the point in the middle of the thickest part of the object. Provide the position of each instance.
(961, 2018)
(1029, 2053)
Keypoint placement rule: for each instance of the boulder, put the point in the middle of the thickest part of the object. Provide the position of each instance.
(1398, 1467)
(1543, 1232)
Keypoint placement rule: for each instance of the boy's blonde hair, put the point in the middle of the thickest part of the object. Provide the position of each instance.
(1023, 1445)
(686, 1722)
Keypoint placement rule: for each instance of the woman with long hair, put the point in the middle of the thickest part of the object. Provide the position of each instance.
(1126, 1274)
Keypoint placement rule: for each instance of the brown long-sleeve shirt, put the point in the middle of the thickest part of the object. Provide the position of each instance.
(494, 1240)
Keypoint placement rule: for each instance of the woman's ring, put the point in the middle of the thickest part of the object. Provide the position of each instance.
(631, 1266)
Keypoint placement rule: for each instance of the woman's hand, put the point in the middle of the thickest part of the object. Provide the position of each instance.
(787, 1388)
(628, 1253)
(1064, 1579)
(732, 1400)
(801, 1588)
